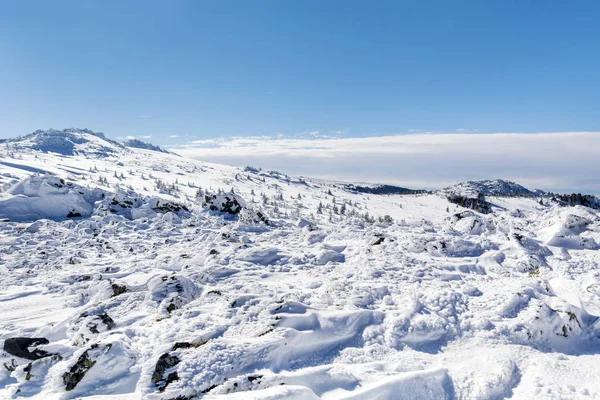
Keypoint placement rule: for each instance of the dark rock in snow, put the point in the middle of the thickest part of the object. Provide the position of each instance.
(188, 345)
(164, 363)
(85, 362)
(229, 203)
(118, 289)
(19, 347)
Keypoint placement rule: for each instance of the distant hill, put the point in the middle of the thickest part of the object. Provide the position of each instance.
(496, 187)
(138, 144)
(68, 142)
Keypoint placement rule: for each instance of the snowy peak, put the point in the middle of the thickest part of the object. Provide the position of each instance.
(67, 142)
(496, 187)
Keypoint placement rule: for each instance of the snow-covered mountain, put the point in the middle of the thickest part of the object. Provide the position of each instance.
(67, 142)
(496, 187)
(129, 273)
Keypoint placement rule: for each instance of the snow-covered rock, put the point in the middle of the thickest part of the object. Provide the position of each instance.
(229, 203)
(50, 197)
(47, 196)
(132, 205)
(171, 292)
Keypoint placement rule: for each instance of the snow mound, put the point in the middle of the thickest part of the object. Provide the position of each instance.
(467, 222)
(49, 197)
(569, 231)
(39, 197)
(171, 292)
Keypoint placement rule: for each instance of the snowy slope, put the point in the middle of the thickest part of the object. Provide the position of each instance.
(138, 297)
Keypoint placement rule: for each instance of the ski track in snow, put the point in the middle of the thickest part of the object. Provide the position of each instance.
(435, 305)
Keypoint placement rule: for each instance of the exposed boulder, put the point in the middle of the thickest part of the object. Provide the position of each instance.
(84, 363)
(160, 377)
(229, 203)
(118, 289)
(25, 347)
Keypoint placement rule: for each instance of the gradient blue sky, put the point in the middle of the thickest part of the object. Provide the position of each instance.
(199, 69)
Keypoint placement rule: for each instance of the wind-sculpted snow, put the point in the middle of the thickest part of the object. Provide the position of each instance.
(50, 197)
(149, 295)
(40, 197)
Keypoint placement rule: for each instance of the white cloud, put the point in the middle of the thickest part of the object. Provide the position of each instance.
(566, 160)
(173, 136)
(146, 137)
(130, 137)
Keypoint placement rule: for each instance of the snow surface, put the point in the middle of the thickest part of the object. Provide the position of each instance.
(439, 303)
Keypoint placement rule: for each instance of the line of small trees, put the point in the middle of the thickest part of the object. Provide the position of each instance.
(478, 203)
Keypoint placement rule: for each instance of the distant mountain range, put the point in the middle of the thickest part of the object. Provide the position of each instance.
(82, 141)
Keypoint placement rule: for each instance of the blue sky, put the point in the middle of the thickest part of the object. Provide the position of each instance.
(198, 70)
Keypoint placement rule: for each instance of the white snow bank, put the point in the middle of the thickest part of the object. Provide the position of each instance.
(49, 197)
(39, 197)
(566, 230)
(433, 384)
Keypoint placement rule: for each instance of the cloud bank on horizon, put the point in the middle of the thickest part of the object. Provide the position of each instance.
(553, 161)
